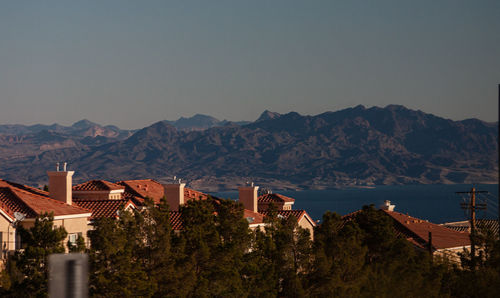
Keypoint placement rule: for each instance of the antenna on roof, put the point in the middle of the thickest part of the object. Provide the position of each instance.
(64, 167)
(19, 216)
(57, 167)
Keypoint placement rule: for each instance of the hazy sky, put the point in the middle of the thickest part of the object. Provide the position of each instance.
(132, 63)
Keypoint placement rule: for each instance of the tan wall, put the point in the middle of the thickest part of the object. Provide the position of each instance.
(305, 224)
(8, 235)
(72, 225)
(451, 254)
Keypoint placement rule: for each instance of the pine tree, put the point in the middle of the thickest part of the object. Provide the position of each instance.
(115, 265)
(79, 246)
(282, 257)
(339, 259)
(155, 252)
(215, 237)
(28, 269)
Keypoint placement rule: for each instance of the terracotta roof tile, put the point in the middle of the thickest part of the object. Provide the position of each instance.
(10, 203)
(31, 202)
(418, 230)
(464, 226)
(103, 208)
(191, 194)
(143, 188)
(253, 217)
(274, 197)
(97, 185)
(138, 190)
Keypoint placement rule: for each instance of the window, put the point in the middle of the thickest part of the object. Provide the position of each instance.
(73, 237)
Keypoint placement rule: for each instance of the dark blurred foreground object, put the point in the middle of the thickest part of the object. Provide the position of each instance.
(68, 275)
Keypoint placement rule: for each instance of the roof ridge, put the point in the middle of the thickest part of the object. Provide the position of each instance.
(147, 179)
(108, 185)
(48, 198)
(130, 189)
(99, 200)
(13, 193)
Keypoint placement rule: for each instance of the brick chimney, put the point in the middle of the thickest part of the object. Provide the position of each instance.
(387, 206)
(174, 193)
(60, 185)
(248, 197)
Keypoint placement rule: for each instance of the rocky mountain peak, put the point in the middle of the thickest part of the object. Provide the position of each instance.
(268, 115)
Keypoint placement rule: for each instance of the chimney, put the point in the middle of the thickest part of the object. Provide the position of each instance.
(174, 193)
(248, 197)
(387, 206)
(60, 185)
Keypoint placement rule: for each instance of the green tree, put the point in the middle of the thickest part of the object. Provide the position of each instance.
(281, 256)
(483, 279)
(395, 267)
(28, 269)
(215, 237)
(116, 268)
(155, 251)
(339, 259)
(79, 246)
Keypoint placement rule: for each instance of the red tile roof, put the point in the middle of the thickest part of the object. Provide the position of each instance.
(97, 185)
(10, 203)
(253, 218)
(103, 208)
(138, 190)
(191, 194)
(32, 202)
(464, 226)
(417, 231)
(275, 198)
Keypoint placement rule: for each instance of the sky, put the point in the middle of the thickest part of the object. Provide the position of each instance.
(133, 63)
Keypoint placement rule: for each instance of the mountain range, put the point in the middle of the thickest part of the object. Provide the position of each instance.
(352, 147)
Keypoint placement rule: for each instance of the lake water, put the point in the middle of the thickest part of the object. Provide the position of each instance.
(436, 203)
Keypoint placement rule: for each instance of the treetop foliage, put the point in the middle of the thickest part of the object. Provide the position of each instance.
(217, 255)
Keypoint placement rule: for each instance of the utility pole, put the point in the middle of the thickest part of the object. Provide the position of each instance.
(430, 247)
(472, 206)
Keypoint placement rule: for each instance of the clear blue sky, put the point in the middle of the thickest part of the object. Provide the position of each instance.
(132, 63)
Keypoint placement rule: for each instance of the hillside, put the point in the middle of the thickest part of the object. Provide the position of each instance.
(355, 146)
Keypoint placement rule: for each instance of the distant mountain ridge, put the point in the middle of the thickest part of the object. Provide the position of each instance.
(82, 128)
(200, 122)
(352, 147)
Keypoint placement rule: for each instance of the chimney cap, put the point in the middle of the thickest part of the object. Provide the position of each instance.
(387, 206)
